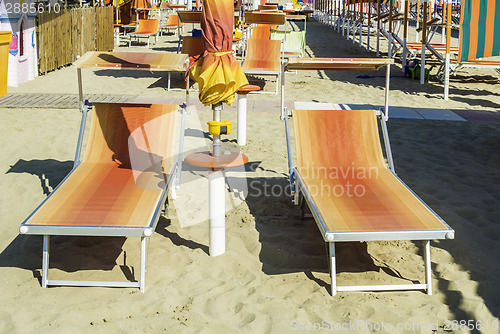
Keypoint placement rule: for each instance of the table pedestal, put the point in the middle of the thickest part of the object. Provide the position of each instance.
(216, 212)
(242, 112)
(216, 193)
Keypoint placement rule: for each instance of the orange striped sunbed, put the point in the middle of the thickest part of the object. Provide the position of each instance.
(120, 186)
(353, 195)
(145, 29)
(193, 47)
(338, 64)
(141, 61)
(173, 22)
(263, 57)
(145, 61)
(261, 31)
(268, 7)
(264, 18)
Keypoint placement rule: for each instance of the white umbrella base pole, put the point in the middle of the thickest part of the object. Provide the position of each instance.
(216, 204)
(242, 119)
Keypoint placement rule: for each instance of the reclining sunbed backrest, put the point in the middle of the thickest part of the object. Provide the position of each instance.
(350, 136)
(130, 136)
(192, 46)
(173, 21)
(147, 26)
(263, 54)
(261, 31)
(295, 41)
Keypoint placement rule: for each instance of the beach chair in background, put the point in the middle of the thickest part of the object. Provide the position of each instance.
(270, 7)
(294, 42)
(118, 189)
(263, 57)
(269, 20)
(145, 29)
(173, 23)
(290, 18)
(185, 17)
(342, 175)
(353, 195)
(193, 47)
(261, 31)
(265, 18)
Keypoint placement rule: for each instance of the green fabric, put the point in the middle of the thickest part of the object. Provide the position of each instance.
(465, 29)
(482, 28)
(496, 28)
(295, 41)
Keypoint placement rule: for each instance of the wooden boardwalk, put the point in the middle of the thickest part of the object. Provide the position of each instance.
(58, 101)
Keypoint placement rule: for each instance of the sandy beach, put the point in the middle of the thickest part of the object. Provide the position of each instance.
(274, 275)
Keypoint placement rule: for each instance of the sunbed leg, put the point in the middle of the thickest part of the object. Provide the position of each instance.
(143, 264)
(428, 276)
(181, 145)
(389, 51)
(168, 83)
(333, 270)
(368, 40)
(289, 155)
(80, 88)
(173, 192)
(387, 143)
(84, 110)
(45, 260)
(360, 34)
(387, 81)
(446, 76)
(282, 101)
(296, 196)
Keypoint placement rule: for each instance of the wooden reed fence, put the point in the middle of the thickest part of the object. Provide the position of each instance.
(64, 36)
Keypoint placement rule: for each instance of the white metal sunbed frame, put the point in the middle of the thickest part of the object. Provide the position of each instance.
(360, 64)
(298, 187)
(180, 64)
(143, 232)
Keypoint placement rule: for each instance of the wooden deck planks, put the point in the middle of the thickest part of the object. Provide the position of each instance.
(58, 101)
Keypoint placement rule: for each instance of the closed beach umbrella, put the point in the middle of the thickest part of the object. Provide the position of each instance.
(219, 76)
(218, 73)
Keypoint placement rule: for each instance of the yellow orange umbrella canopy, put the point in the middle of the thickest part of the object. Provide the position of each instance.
(218, 73)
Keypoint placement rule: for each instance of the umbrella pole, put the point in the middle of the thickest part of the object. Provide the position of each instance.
(217, 209)
(217, 110)
(216, 197)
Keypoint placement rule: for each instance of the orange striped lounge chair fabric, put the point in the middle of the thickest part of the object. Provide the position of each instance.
(193, 47)
(145, 29)
(342, 176)
(119, 188)
(173, 22)
(263, 57)
(264, 18)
